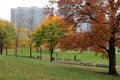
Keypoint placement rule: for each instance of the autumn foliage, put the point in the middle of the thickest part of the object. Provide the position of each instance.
(78, 41)
(104, 19)
(6, 34)
(50, 31)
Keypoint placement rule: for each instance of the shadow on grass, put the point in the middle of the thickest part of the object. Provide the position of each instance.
(90, 70)
(106, 73)
(28, 57)
(22, 56)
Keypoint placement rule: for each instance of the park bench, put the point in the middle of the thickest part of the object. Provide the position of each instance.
(88, 64)
(38, 57)
(67, 60)
(102, 65)
(58, 59)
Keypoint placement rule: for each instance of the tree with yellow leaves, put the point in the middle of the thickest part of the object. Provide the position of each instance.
(6, 34)
(50, 31)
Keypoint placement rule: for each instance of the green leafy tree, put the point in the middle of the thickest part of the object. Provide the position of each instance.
(6, 34)
(9, 35)
(30, 41)
(50, 31)
(2, 33)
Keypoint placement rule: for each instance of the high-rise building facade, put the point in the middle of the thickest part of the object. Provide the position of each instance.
(28, 17)
(71, 11)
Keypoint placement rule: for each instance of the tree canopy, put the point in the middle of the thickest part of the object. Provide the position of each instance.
(104, 19)
(6, 34)
(50, 31)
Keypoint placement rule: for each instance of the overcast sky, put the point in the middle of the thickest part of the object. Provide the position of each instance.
(6, 5)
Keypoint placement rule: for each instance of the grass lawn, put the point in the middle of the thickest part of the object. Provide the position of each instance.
(87, 56)
(12, 68)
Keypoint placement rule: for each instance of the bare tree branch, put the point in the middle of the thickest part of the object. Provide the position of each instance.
(103, 48)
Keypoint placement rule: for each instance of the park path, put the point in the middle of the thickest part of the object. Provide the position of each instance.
(78, 62)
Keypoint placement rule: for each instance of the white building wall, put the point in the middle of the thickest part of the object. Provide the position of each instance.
(83, 27)
(29, 17)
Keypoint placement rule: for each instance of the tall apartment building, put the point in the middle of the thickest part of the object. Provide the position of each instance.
(28, 17)
(71, 10)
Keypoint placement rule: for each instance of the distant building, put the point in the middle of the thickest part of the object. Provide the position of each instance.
(69, 11)
(28, 17)
(81, 27)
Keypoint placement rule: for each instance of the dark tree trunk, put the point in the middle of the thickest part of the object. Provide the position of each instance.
(1, 44)
(6, 49)
(51, 52)
(37, 49)
(16, 46)
(30, 49)
(15, 51)
(40, 53)
(112, 57)
(1, 48)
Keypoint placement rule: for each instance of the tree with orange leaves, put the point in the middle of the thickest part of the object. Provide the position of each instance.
(76, 41)
(104, 19)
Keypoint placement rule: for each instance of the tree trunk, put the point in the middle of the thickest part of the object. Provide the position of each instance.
(1, 44)
(6, 50)
(112, 57)
(40, 53)
(16, 46)
(1, 48)
(51, 52)
(30, 49)
(15, 51)
(37, 49)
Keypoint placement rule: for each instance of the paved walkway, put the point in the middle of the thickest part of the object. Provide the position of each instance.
(78, 62)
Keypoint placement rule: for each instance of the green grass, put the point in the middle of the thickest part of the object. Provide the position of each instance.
(12, 68)
(87, 56)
